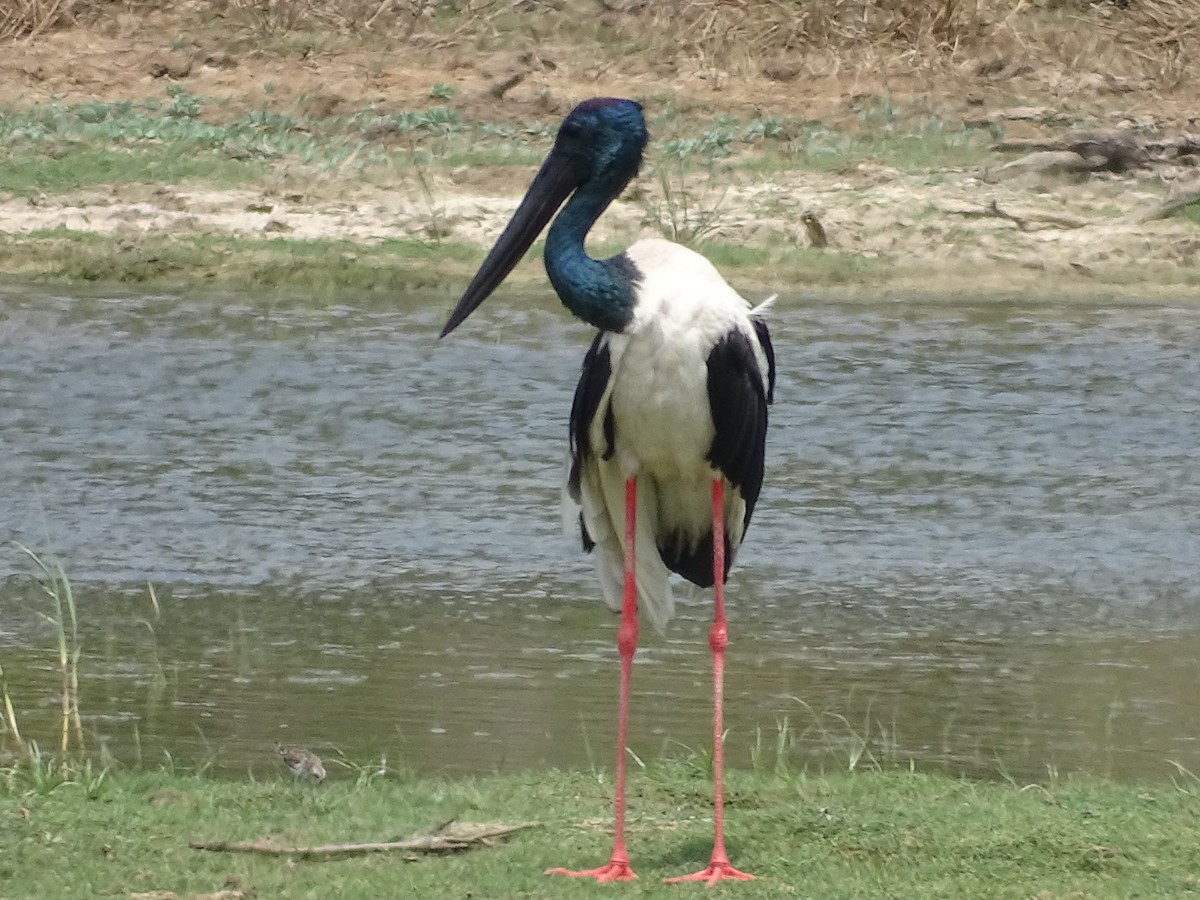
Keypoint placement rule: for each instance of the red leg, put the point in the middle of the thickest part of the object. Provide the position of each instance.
(718, 638)
(617, 868)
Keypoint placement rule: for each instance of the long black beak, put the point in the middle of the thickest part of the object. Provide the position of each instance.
(554, 182)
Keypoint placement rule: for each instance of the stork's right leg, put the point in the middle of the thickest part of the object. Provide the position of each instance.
(617, 868)
(718, 868)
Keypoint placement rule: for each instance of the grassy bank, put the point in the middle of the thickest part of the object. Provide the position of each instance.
(249, 185)
(75, 824)
(894, 834)
(323, 269)
(189, 190)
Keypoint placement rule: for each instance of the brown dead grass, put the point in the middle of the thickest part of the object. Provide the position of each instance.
(790, 57)
(1127, 38)
(30, 18)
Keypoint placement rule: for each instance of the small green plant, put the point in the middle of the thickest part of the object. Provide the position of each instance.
(441, 91)
(92, 780)
(687, 205)
(772, 128)
(43, 772)
(184, 104)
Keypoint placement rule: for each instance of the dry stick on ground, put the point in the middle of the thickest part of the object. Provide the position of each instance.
(1171, 205)
(993, 210)
(465, 836)
(500, 88)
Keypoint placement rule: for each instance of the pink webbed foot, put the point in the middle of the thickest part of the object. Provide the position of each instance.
(717, 870)
(614, 870)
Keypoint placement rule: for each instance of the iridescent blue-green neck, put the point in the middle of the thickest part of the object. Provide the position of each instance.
(599, 291)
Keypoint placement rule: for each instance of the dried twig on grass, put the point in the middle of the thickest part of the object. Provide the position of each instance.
(450, 837)
(502, 87)
(993, 211)
(1171, 205)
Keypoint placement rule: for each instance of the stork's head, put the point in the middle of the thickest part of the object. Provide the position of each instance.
(599, 144)
(605, 138)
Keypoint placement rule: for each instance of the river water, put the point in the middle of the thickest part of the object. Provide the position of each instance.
(977, 548)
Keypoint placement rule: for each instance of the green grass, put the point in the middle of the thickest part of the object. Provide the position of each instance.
(323, 268)
(312, 268)
(872, 834)
(917, 147)
(202, 142)
(82, 166)
(60, 147)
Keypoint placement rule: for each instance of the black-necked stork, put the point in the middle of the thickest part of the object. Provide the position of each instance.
(669, 422)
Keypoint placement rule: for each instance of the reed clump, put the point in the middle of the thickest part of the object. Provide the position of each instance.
(64, 621)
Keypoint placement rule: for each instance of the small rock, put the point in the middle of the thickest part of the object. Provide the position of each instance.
(322, 106)
(237, 150)
(220, 60)
(784, 68)
(171, 65)
(991, 65)
(1025, 114)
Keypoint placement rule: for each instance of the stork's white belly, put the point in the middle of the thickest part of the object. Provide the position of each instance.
(660, 381)
(659, 429)
(656, 390)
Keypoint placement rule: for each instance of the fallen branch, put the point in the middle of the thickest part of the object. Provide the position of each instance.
(995, 210)
(502, 87)
(992, 210)
(1023, 221)
(444, 839)
(1171, 205)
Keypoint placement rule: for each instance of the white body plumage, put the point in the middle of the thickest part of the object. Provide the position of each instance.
(663, 421)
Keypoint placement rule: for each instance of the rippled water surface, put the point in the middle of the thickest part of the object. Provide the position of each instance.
(978, 546)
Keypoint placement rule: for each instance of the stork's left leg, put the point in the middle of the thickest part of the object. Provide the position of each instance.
(617, 868)
(718, 638)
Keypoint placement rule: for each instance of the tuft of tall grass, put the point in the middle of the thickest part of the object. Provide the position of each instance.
(686, 203)
(64, 620)
(10, 715)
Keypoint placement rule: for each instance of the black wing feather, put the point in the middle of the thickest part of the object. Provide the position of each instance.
(593, 382)
(738, 404)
